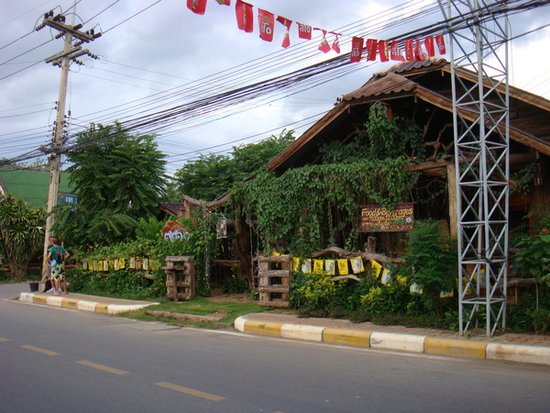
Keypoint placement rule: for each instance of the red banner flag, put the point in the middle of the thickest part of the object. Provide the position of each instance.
(323, 45)
(304, 31)
(336, 43)
(395, 53)
(440, 42)
(287, 23)
(372, 45)
(418, 52)
(245, 19)
(383, 50)
(356, 49)
(429, 44)
(409, 50)
(197, 6)
(266, 21)
(224, 2)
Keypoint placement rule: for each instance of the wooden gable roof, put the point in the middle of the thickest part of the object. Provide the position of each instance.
(425, 83)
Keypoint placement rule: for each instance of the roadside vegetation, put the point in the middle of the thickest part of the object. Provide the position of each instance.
(119, 179)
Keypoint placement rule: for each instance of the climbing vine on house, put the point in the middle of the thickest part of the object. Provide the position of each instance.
(314, 206)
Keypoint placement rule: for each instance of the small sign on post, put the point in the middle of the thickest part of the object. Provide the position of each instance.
(375, 218)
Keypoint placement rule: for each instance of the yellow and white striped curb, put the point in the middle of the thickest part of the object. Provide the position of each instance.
(81, 305)
(449, 347)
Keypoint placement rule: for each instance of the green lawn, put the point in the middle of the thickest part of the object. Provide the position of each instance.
(228, 311)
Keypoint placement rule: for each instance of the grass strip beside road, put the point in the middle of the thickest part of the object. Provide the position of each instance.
(223, 312)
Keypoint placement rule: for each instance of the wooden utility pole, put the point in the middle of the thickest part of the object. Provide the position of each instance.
(63, 60)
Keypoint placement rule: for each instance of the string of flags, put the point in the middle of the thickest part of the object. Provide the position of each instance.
(406, 50)
(116, 264)
(342, 267)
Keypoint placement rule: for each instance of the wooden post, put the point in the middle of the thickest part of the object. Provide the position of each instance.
(451, 187)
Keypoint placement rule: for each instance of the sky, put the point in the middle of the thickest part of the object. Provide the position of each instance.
(157, 54)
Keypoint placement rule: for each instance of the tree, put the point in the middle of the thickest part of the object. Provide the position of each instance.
(21, 233)
(118, 177)
(212, 175)
(207, 177)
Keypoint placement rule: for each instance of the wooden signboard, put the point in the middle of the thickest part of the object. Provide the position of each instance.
(375, 218)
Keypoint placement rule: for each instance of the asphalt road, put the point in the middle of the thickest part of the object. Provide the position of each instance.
(61, 360)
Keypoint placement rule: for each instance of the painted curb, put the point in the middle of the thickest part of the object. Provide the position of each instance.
(82, 305)
(302, 332)
(266, 328)
(239, 323)
(454, 347)
(395, 341)
(519, 353)
(347, 337)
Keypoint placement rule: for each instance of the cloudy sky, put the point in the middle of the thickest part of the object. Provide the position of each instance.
(156, 54)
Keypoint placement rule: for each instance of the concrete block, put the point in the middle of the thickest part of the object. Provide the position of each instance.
(301, 332)
(267, 328)
(519, 353)
(239, 323)
(54, 301)
(348, 337)
(83, 305)
(397, 341)
(455, 347)
(26, 297)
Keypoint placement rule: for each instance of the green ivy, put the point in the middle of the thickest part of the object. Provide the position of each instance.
(315, 206)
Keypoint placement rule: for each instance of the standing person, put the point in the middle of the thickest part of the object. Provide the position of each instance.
(56, 257)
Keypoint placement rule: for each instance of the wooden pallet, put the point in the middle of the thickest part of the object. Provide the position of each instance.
(274, 277)
(180, 278)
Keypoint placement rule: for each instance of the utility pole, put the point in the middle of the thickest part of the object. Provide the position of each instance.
(63, 60)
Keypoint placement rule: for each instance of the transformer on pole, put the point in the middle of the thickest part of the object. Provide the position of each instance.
(481, 158)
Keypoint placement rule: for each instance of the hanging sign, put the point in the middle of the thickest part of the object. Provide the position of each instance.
(375, 218)
(174, 230)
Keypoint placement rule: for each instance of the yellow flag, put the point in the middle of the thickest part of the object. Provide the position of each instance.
(343, 267)
(121, 263)
(111, 264)
(357, 265)
(318, 266)
(376, 268)
(330, 267)
(295, 264)
(447, 294)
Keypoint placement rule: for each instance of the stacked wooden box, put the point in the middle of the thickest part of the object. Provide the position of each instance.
(180, 278)
(274, 280)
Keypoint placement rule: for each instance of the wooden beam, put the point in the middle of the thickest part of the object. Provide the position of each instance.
(451, 188)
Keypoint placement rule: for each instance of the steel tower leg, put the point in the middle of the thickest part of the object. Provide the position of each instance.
(482, 161)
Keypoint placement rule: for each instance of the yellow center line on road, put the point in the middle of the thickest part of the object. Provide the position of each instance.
(40, 350)
(102, 367)
(192, 392)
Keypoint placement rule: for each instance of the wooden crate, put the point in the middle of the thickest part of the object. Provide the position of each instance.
(274, 277)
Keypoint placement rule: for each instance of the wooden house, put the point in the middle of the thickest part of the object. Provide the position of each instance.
(422, 91)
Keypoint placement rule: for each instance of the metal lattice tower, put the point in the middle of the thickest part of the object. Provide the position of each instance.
(481, 142)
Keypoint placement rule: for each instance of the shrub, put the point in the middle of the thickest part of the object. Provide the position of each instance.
(430, 262)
